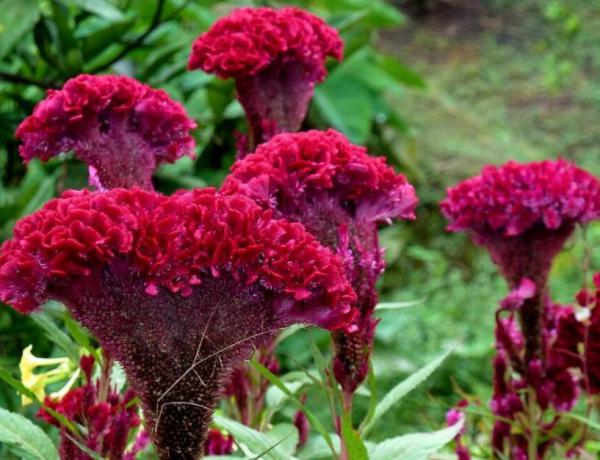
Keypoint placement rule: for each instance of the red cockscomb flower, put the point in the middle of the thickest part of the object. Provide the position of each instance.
(106, 416)
(178, 289)
(339, 193)
(523, 213)
(120, 127)
(276, 57)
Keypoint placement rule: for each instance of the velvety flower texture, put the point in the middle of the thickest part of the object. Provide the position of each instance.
(178, 289)
(106, 416)
(276, 56)
(553, 380)
(120, 127)
(523, 213)
(340, 194)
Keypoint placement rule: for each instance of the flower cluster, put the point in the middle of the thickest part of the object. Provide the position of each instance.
(515, 198)
(340, 194)
(120, 127)
(108, 419)
(553, 381)
(170, 243)
(250, 39)
(178, 289)
(276, 57)
(523, 214)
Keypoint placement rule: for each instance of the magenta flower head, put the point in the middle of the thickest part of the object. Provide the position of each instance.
(523, 213)
(120, 127)
(178, 289)
(107, 417)
(340, 194)
(276, 57)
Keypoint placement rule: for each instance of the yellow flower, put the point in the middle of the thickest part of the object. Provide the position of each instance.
(37, 382)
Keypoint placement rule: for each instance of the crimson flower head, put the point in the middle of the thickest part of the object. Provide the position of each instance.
(178, 289)
(523, 213)
(120, 127)
(107, 417)
(340, 194)
(276, 57)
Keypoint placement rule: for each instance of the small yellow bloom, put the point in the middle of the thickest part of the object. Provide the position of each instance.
(37, 382)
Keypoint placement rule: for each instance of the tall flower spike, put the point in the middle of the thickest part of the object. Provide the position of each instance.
(276, 57)
(120, 127)
(178, 289)
(340, 194)
(523, 213)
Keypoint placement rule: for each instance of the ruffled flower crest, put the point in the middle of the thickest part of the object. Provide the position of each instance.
(178, 289)
(523, 213)
(120, 127)
(276, 57)
(340, 194)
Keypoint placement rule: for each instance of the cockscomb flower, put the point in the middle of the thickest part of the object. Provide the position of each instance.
(276, 57)
(120, 127)
(178, 289)
(523, 213)
(340, 194)
(106, 416)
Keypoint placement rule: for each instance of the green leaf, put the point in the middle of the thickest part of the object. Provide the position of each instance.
(399, 71)
(593, 425)
(354, 445)
(415, 446)
(43, 193)
(285, 435)
(401, 390)
(372, 385)
(101, 34)
(17, 19)
(346, 105)
(257, 442)
(56, 335)
(16, 384)
(25, 439)
(362, 66)
(98, 7)
(314, 421)
(317, 449)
